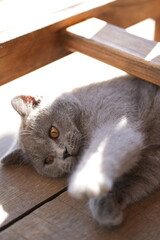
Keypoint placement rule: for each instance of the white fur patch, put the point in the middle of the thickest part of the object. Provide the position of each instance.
(112, 153)
(89, 179)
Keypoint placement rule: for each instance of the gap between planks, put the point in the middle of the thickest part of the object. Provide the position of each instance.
(29, 211)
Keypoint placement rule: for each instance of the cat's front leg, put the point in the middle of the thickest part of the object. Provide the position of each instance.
(89, 179)
(133, 186)
(112, 152)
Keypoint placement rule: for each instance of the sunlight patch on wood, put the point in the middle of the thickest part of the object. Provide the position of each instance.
(141, 30)
(3, 215)
(86, 28)
(154, 53)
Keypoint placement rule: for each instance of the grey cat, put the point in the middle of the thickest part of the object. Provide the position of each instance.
(106, 134)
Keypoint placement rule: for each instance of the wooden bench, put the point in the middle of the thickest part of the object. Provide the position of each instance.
(34, 207)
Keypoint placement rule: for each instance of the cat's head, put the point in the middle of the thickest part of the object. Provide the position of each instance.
(49, 136)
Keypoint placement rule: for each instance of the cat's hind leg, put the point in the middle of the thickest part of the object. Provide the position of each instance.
(113, 151)
(128, 189)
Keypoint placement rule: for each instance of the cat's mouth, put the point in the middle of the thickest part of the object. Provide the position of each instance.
(66, 154)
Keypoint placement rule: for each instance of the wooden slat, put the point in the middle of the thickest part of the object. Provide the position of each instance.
(68, 219)
(113, 45)
(125, 13)
(21, 53)
(28, 53)
(21, 189)
(157, 29)
(53, 18)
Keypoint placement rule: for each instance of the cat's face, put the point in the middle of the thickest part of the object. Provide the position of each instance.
(49, 136)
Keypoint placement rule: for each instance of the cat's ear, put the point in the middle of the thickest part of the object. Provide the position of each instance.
(15, 157)
(25, 104)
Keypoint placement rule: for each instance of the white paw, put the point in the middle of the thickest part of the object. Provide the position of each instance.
(86, 184)
(90, 178)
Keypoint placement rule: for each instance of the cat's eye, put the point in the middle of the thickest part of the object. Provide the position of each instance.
(53, 132)
(49, 160)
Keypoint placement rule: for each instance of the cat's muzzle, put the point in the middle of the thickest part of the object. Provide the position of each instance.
(66, 154)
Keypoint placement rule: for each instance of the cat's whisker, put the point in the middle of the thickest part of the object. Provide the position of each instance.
(22, 134)
(83, 137)
(25, 132)
(31, 127)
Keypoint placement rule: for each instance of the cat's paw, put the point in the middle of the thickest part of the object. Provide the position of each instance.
(106, 211)
(86, 184)
(90, 178)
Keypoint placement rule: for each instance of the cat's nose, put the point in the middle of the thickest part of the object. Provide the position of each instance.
(66, 154)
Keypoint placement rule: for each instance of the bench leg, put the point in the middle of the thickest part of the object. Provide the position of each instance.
(157, 30)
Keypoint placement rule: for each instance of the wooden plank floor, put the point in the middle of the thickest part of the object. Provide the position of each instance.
(21, 190)
(35, 207)
(46, 211)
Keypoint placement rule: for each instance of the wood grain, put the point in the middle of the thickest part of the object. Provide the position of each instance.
(23, 50)
(68, 219)
(21, 188)
(63, 218)
(113, 45)
(52, 19)
(157, 29)
(28, 53)
(125, 13)
(21, 53)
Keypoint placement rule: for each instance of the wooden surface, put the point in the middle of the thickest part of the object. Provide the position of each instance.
(124, 13)
(28, 53)
(21, 189)
(46, 14)
(24, 49)
(157, 29)
(62, 217)
(113, 45)
(63, 14)
(30, 43)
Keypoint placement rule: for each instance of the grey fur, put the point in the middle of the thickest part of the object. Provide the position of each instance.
(111, 133)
